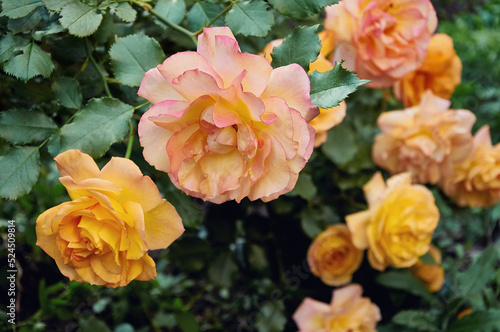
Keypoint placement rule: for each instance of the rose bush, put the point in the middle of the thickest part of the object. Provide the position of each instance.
(116, 215)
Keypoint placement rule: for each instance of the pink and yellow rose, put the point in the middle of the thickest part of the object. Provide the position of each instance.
(426, 140)
(348, 311)
(398, 225)
(441, 73)
(224, 124)
(476, 181)
(328, 117)
(116, 215)
(333, 257)
(381, 40)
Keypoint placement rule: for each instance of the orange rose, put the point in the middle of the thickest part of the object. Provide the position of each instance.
(431, 275)
(397, 228)
(476, 181)
(103, 236)
(224, 124)
(348, 311)
(426, 139)
(333, 257)
(329, 117)
(441, 73)
(381, 40)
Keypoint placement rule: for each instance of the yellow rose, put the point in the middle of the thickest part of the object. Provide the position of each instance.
(333, 257)
(348, 311)
(116, 215)
(476, 181)
(398, 226)
(441, 73)
(328, 117)
(426, 139)
(431, 275)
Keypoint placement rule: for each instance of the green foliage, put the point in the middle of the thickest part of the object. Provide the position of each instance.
(173, 10)
(328, 89)
(202, 13)
(20, 168)
(340, 146)
(417, 320)
(125, 12)
(101, 123)
(404, 280)
(482, 321)
(32, 62)
(19, 8)
(133, 56)
(300, 8)
(302, 46)
(250, 18)
(80, 19)
(23, 126)
(67, 92)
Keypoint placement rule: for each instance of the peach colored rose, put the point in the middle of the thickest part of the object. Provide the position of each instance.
(431, 275)
(333, 257)
(224, 124)
(426, 139)
(476, 181)
(116, 215)
(381, 40)
(441, 73)
(398, 225)
(328, 117)
(348, 311)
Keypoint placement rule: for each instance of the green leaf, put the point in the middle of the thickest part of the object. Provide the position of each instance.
(203, 13)
(124, 327)
(101, 123)
(250, 18)
(125, 12)
(271, 317)
(25, 23)
(19, 8)
(23, 126)
(328, 89)
(173, 10)
(341, 144)
(55, 5)
(132, 56)
(300, 8)
(20, 168)
(404, 280)
(477, 321)
(187, 322)
(92, 324)
(32, 62)
(67, 92)
(9, 44)
(54, 144)
(418, 320)
(304, 188)
(222, 269)
(302, 46)
(315, 220)
(479, 274)
(80, 19)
